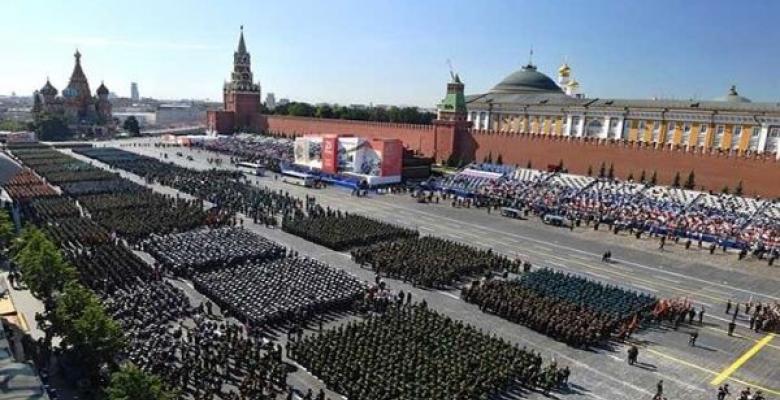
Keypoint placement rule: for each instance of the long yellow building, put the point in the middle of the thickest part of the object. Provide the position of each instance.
(530, 101)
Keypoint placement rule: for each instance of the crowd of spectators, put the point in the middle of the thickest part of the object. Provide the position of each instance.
(267, 151)
(722, 219)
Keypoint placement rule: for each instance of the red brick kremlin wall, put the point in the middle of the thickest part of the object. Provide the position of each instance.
(430, 140)
(759, 176)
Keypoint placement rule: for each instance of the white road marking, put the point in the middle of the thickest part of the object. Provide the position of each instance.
(644, 288)
(557, 264)
(639, 265)
(448, 294)
(667, 279)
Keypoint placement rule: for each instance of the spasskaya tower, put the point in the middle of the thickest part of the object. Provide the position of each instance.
(241, 96)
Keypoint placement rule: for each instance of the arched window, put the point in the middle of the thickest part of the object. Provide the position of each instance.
(772, 139)
(670, 132)
(641, 131)
(736, 135)
(594, 128)
(701, 140)
(575, 126)
(755, 135)
(717, 141)
(656, 136)
(686, 134)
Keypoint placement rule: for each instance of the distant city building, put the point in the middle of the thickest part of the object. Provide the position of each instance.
(134, 91)
(270, 101)
(242, 97)
(177, 114)
(77, 103)
(145, 118)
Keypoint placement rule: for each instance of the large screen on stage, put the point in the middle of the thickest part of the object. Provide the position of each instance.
(378, 157)
(308, 151)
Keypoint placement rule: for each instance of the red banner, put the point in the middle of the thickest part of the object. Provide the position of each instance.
(392, 155)
(330, 154)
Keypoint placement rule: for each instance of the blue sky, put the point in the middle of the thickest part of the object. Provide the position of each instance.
(394, 51)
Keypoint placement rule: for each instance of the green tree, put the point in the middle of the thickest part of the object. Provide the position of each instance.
(7, 230)
(690, 183)
(71, 304)
(53, 127)
(43, 268)
(282, 109)
(24, 237)
(301, 110)
(590, 170)
(489, 158)
(738, 189)
(560, 165)
(324, 111)
(500, 159)
(630, 176)
(654, 178)
(529, 166)
(676, 180)
(602, 170)
(13, 126)
(643, 177)
(93, 336)
(725, 189)
(131, 125)
(131, 383)
(611, 171)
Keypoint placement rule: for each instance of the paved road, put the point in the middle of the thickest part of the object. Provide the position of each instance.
(708, 280)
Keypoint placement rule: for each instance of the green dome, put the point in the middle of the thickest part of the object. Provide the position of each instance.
(526, 80)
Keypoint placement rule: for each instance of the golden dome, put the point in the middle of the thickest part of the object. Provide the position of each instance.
(573, 83)
(564, 70)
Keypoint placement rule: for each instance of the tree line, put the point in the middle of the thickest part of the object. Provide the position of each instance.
(405, 115)
(75, 314)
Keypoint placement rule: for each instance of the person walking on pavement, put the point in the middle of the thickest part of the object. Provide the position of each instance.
(728, 306)
(701, 315)
(732, 325)
(723, 391)
(692, 339)
(633, 353)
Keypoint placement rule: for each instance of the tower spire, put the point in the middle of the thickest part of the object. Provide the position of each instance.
(241, 44)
